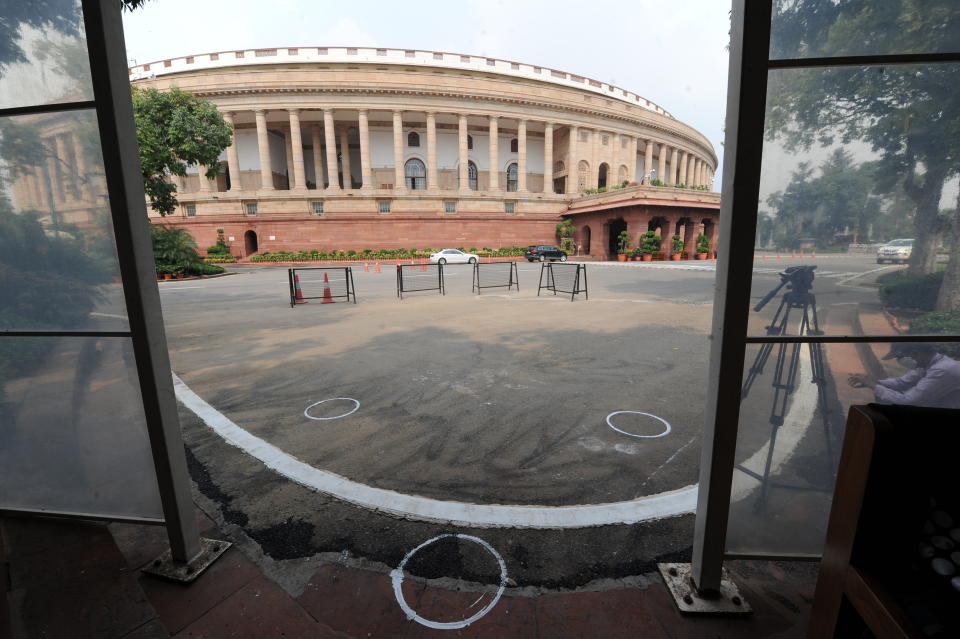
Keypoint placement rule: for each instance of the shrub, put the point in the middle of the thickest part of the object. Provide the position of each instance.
(902, 290)
(939, 322)
(219, 259)
(677, 244)
(649, 243)
(703, 244)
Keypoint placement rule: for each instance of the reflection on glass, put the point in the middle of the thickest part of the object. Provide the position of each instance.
(58, 263)
(43, 55)
(72, 431)
(793, 413)
(859, 178)
(831, 28)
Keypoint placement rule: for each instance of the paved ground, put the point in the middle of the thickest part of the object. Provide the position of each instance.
(501, 398)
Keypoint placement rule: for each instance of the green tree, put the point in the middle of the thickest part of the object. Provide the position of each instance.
(174, 130)
(910, 115)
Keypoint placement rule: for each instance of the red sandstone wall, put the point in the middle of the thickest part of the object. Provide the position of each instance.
(377, 233)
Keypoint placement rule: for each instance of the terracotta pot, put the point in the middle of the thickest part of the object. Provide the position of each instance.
(181, 276)
(621, 257)
(168, 276)
(675, 257)
(701, 256)
(646, 257)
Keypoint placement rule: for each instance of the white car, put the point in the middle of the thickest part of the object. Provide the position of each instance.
(454, 256)
(895, 251)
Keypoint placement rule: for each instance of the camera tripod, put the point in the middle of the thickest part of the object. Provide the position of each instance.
(799, 281)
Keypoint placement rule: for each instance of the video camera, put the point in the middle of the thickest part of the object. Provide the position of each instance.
(798, 279)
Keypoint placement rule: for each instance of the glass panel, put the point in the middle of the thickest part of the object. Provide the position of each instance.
(58, 262)
(791, 430)
(857, 183)
(72, 430)
(820, 28)
(43, 54)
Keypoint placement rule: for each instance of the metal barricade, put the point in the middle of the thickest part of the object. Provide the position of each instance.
(419, 277)
(564, 278)
(495, 275)
(327, 282)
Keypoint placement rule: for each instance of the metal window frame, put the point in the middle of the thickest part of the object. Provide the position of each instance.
(749, 67)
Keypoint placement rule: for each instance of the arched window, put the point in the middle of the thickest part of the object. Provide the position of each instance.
(602, 176)
(416, 174)
(413, 139)
(472, 175)
(514, 146)
(470, 142)
(512, 177)
(583, 170)
(622, 174)
(559, 167)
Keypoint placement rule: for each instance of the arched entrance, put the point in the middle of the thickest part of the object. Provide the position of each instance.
(585, 241)
(602, 176)
(614, 227)
(250, 243)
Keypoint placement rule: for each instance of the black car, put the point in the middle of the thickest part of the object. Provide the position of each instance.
(543, 252)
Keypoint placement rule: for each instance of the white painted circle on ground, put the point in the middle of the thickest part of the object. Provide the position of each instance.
(396, 576)
(307, 414)
(636, 412)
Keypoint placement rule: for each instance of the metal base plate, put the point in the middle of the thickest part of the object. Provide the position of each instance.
(679, 582)
(164, 565)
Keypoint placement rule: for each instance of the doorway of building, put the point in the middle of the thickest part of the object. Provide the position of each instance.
(585, 246)
(602, 176)
(250, 243)
(560, 184)
(615, 227)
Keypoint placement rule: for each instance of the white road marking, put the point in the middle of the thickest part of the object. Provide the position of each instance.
(396, 576)
(649, 507)
(636, 412)
(356, 405)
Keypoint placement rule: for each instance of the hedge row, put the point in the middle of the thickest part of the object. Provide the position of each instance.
(899, 289)
(369, 254)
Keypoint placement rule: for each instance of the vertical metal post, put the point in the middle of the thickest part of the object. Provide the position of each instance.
(746, 102)
(111, 87)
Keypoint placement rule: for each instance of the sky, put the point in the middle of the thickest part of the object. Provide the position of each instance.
(673, 54)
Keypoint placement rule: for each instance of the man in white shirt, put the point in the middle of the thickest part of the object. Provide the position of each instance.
(934, 382)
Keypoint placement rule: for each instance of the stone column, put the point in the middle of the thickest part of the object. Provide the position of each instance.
(690, 239)
(345, 157)
(202, 178)
(648, 160)
(548, 158)
(462, 130)
(682, 168)
(56, 169)
(83, 187)
(662, 163)
(666, 235)
(233, 156)
(632, 148)
(691, 165)
(698, 174)
(573, 171)
(330, 138)
(522, 156)
(494, 171)
(318, 169)
(673, 166)
(366, 175)
(263, 145)
(288, 149)
(431, 151)
(594, 180)
(296, 142)
(399, 177)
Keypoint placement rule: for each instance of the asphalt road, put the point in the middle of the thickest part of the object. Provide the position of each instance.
(501, 398)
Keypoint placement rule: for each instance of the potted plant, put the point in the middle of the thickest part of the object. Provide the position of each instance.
(636, 254)
(703, 246)
(623, 245)
(649, 244)
(677, 245)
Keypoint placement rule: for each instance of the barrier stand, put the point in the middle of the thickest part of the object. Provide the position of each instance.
(343, 281)
(410, 280)
(496, 269)
(564, 278)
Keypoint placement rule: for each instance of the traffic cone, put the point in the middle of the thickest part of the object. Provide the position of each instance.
(298, 295)
(423, 265)
(793, 252)
(813, 254)
(377, 268)
(778, 255)
(366, 267)
(327, 296)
